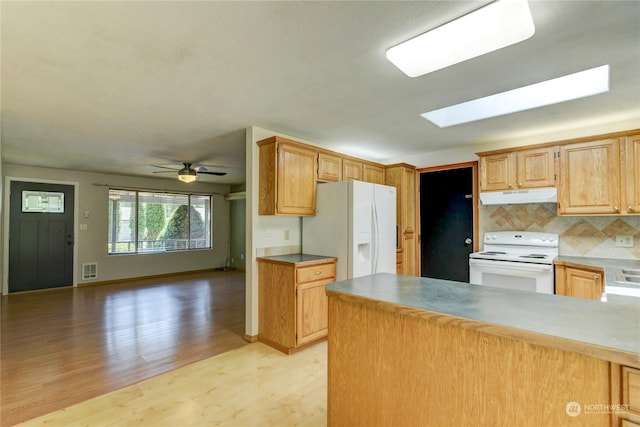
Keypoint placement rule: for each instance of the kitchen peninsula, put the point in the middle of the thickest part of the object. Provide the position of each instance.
(415, 351)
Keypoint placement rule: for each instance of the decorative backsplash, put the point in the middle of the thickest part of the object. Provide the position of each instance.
(590, 236)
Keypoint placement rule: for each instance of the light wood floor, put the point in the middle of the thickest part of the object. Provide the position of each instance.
(64, 346)
(250, 386)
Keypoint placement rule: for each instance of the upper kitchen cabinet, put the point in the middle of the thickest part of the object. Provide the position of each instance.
(632, 173)
(402, 176)
(511, 170)
(590, 178)
(329, 167)
(287, 178)
(351, 169)
(373, 173)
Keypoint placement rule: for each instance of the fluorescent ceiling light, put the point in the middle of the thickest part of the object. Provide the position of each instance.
(497, 25)
(561, 89)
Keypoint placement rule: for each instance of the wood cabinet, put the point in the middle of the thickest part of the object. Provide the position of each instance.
(600, 177)
(399, 261)
(351, 169)
(589, 178)
(579, 282)
(631, 175)
(287, 178)
(373, 173)
(531, 168)
(292, 307)
(402, 176)
(329, 167)
(625, 395)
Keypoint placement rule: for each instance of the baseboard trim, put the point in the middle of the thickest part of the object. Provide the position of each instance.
(250, 338)
(153, 276)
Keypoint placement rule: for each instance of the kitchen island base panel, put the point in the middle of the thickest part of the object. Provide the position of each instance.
(387, 368)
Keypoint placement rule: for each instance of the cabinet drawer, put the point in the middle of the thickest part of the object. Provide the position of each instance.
(631, 388)
(315, 272)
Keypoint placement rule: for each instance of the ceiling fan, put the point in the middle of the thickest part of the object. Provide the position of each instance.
(188, 173)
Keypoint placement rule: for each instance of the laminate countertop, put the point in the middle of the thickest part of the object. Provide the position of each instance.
(607, 330)
(297, 259)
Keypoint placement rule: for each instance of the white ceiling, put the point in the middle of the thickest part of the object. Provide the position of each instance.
(116, 86)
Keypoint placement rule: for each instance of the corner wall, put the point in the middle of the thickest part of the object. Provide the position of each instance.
(265, 233)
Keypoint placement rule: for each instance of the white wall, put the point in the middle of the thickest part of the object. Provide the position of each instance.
(91, 244)
(265, 233)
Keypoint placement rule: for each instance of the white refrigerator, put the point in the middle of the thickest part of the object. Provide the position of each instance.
(356, 222)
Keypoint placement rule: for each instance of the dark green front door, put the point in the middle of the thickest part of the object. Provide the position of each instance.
(41, 239)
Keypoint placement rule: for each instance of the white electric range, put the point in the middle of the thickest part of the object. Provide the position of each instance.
(520, 260)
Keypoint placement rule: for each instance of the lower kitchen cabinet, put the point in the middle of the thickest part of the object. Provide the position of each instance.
(625, 395)
(579, 282)
(292, 307)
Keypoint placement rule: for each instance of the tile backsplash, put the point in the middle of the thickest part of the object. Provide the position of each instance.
(590, 236)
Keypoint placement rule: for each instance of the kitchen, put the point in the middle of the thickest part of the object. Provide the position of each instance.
(278, 235)
(543, 320)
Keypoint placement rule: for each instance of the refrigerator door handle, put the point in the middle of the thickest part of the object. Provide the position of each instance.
(376, 238)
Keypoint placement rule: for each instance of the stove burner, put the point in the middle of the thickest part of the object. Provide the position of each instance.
(536, 256)
(493, 253)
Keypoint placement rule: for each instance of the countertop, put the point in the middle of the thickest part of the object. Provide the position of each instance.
(612, 288)
(297, 259)
(606, 330)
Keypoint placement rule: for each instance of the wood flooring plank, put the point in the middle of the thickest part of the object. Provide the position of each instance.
(243, 387)
(63, 346)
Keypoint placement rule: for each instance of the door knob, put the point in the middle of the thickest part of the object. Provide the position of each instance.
(467, 241)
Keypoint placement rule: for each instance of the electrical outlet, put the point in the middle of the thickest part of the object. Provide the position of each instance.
(624, 240)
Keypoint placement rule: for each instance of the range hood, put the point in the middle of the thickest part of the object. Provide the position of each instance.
(513, 197)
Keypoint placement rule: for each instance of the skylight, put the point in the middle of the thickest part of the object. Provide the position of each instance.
(492, 27)
(573, 86)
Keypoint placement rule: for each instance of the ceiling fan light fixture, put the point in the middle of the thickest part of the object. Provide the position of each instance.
(492, 27)
(187, 175)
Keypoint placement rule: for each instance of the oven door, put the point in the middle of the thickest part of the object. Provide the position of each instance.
(512, 275)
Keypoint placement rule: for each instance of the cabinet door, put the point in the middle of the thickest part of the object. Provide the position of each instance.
(329, 168)
(589, 178)
(351, 170)
(297, 176)
(312, 311)
(583, 283)
(632, 174)
(535, 168)
(497, 172)
(409, 223)
(374, 174)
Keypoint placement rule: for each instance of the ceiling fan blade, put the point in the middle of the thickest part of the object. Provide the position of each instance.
(169, 171)
(164, 167)
(213, 173)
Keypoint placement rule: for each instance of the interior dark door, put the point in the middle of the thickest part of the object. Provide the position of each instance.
(446, 223)
(40, 236)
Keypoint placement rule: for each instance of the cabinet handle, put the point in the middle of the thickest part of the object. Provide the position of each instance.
(510, 186)
(630, 209)
(318, 273)
(596, 277)
(617, 209)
